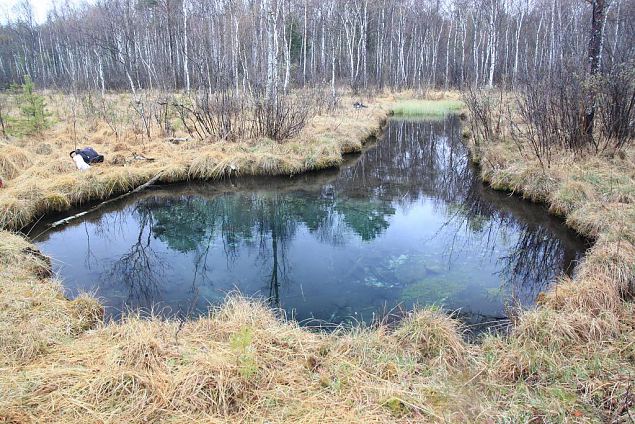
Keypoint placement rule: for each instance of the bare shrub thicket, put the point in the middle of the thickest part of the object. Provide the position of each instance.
(162, 116)
(109, 113)
(285, 116)
(281, 118)
(143, 106)
(220, 115)
(551, 113)
(486, 109)
(547, 116)
(227, 115)
(617, 105)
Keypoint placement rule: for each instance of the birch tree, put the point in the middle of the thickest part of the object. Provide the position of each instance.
(214, 44)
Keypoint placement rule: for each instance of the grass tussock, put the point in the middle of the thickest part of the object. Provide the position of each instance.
(12, 161)
(34, 315)
(433, 335)
(240, 363)
(572, 359)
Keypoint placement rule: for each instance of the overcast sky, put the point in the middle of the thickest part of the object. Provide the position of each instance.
(8, 8)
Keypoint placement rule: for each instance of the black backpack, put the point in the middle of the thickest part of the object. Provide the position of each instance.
(89, 155)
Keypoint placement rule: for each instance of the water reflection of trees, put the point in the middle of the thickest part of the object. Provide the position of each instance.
(540, 248)
(141, 268)
(414, 160)
(429, 160)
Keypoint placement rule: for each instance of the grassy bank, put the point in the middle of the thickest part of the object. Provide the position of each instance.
(573, 358)
(570, 360)
(40, 178)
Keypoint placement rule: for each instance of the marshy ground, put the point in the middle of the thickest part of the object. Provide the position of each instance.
(572, 359)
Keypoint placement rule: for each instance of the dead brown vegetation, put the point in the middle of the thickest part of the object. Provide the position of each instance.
(572, 359)
(48, 182)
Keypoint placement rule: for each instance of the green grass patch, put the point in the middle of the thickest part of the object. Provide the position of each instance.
(427, 107)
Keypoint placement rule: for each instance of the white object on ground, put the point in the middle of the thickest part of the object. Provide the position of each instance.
(79, 161)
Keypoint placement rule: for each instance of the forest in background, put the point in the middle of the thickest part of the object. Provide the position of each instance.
(179, 90)
(249, 45)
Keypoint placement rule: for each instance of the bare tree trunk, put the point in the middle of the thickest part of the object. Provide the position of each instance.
(596, 45)
(304, 40)
(493, 41)
(271, 93)
(447, 57)
(617, 31)
(236, 55)
(365, 44)
(101, 76)
(287, 49)
(519, 26)
(185, 53)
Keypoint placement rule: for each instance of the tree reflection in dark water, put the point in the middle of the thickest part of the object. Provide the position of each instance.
(406, 222)
(140, 268)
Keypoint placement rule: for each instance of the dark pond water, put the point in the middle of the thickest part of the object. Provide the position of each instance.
(406, 222)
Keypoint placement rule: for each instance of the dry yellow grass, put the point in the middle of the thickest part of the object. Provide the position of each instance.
(41, 183)
(570, 360)
(582, 335)
(60, 363)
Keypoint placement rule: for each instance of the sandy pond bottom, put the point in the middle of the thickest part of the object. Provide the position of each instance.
(406, 222)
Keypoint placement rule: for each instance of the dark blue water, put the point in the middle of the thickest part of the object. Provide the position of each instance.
(406, 222)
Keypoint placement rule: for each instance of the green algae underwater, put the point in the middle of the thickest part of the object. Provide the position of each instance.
(406, 222)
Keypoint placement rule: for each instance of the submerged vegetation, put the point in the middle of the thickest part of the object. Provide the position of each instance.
(570, 359)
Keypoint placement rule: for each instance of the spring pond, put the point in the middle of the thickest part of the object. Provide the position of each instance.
(405, 222)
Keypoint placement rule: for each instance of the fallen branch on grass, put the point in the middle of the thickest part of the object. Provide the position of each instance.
(93, 209)
(136, 156)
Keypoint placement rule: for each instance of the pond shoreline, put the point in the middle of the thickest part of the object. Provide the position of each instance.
(417, 169)
(62, 363)
(54, 185)
(487, 176)
(160, 184)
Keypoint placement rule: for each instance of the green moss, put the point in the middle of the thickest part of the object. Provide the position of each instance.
(396, 406)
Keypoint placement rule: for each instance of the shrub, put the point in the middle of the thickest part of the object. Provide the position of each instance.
(281, 119)
(226, 115)
(486, 114)
(551, 113)
(550, 117)
(617, 105)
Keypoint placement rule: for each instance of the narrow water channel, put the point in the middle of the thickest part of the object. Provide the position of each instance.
(406, 222)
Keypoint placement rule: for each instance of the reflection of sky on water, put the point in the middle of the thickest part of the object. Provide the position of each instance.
(406, 222)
